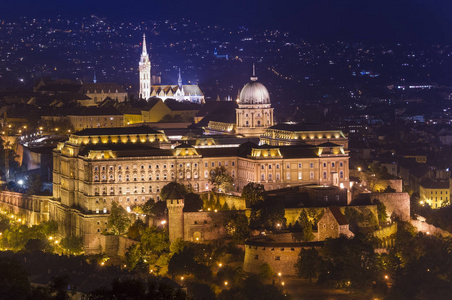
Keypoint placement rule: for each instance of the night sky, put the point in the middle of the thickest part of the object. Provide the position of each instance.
(380, 20)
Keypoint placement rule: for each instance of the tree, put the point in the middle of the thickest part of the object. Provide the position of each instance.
(237, 226)
(136, 229)
(306, 227)
(268, 214)
(252, 193)
(118, 220)
(381, 210)
(72, 244)
(308, 263)
(221, 180)
(265, 271)
(193, 203)
(14, 283)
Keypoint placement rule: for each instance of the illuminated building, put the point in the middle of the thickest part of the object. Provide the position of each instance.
(435, 194)
(179, 91)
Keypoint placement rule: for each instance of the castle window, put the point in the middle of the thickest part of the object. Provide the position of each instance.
(324, 175)
(105, 210)
(195, 175)
(324, 164)
(104, 178)
(269, 167)
(164, 176)
(205, 165)
(96, 178)
(150, 177)
(262, 167)
(128, 190)
(120, 190)
(341, 164)
(142, 190)
(150, 189)
(127, 177)
(277, 257)
(172, 166)
(164, 166)
(300, 175)
(311, 175)
(157, 177)
(119, 167)
(142, 177)
(213, 164)
(256, 256)
(312, 165)
(172, 175)
(134, 167)
(206, 174)
(332, 164)
(277, 176)
(262, 177)
(135, 190)
(127, 167)
(134, 177)
(341, 174)
(128, 199)
(157, 166)
(288, 166)
(103, 168)
(233, 163)
(111, 177)
(142, 167)
(150, 167)
(288, 176)
(270, 176)
(96, 168)
(277, 166)
(158, 189)
(97, 210)
(299, 166)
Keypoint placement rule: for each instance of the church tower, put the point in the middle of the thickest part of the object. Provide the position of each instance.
(144, 67)
(255, 113)
(175, 206)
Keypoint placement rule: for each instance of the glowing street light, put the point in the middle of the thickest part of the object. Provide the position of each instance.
(359, 169)
(225, 283)
(163, 222)
(279, 274)
(20, 182)
(220, 265)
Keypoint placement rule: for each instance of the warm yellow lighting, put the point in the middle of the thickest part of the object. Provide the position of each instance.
(386, 276)
(216, 210)
(102, 263)
(182, 278)
(220, 265)
(56, 129)
(279, 274)
(40, 128)
(359, 169)
(56, 242)
(283, 283)
(421, 202)
(208, 209)
(225, 283)
(197, 239)
(50, 238)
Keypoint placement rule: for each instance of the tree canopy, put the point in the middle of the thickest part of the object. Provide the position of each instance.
(118, 220)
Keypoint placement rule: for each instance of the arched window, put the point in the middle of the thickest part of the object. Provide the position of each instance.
(127, 177)
(270, 177)
(262, 177)
(119, 177)
(324, 175)
(341, 174)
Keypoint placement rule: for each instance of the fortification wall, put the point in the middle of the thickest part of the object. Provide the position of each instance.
(205, 225)
(281, 259)
(429, 228)
(232, 201)
(397, 204)
(381, 184)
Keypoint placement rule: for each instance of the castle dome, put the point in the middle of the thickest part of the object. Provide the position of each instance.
(254, 92)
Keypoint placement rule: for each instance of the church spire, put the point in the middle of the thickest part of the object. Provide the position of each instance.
(254, 77)
(145, 52)
(179, 80)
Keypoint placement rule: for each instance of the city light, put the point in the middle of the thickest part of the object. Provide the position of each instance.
(225, 283)
(20, 182)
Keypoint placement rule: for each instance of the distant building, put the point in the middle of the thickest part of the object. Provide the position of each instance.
(98, 92)
(435, 194)
(179, 91)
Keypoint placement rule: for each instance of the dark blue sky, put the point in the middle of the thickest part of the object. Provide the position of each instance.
(387, 20)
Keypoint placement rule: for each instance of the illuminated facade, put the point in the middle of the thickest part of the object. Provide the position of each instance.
(130, 165)
(144, 67)
(435, 194)
(179, 92)
(254, 113)
(293, 134)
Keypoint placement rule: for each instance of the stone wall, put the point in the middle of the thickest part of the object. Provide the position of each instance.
(380, 185)
(233, 201)
(205, 225)
(429, 228)
(397, 204)
(111, 245)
